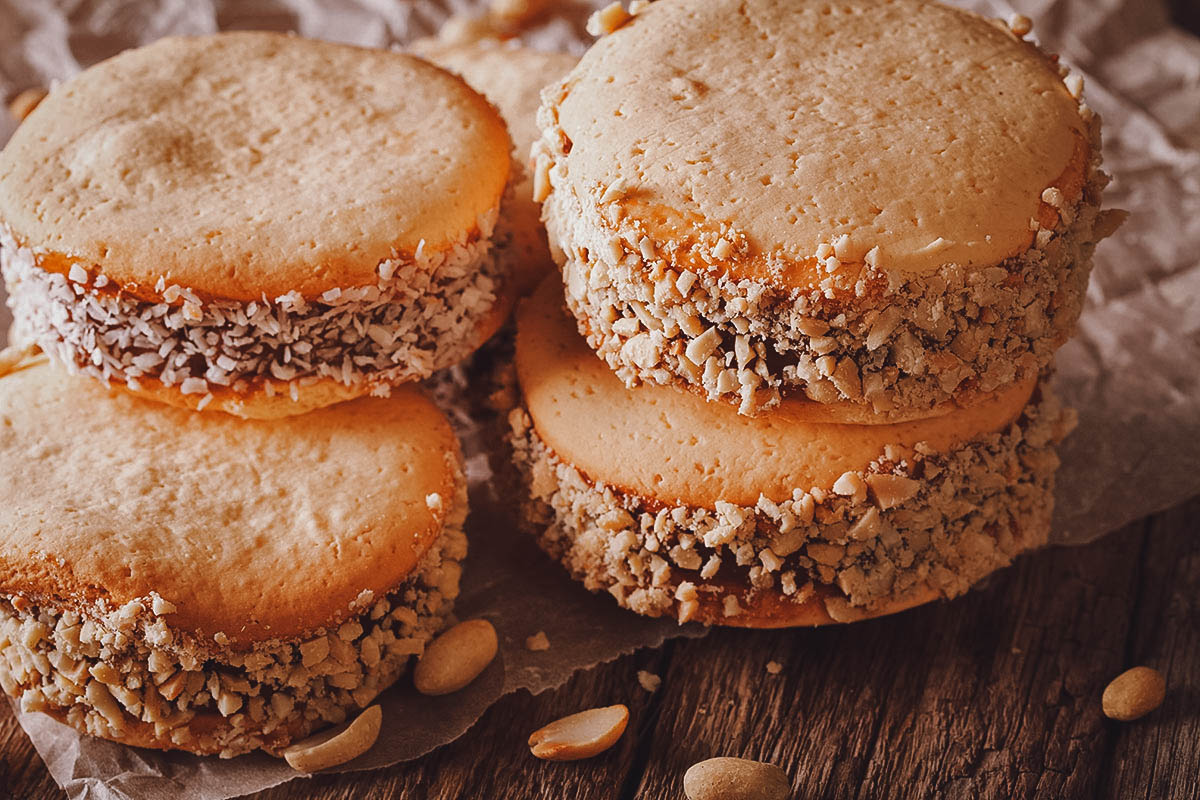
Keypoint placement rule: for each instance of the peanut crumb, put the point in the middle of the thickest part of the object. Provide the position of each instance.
(607, 19)
(613, 191)
(1074, 84)
(774, 667)
(538, 642)
(648, 680)
(1020, 24)
(160, 606)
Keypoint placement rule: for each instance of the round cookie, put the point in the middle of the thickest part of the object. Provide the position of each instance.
(200, 582)
(241, 219)
(887, 205)
(512, 77)
(680, 506)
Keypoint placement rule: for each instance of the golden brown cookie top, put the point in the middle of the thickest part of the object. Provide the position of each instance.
(781, 126)
(248, 163)
(253, 529)
(673, 447)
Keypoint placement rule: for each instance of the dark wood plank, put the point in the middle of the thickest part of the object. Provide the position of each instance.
(1003, 699)
(22, 773)
(1158, 756)
(993, 696)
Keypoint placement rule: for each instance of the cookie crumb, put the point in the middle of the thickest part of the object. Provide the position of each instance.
(537, 642)
(649, 681)
(774, 667)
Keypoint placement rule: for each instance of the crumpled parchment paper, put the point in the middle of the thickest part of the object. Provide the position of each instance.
(1133, 371)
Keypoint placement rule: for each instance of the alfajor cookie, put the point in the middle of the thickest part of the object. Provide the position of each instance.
(199, 582)
(678, 506)
(882, 206)
(256, 223)
(512, 77)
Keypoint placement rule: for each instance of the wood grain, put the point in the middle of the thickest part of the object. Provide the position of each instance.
(1158, 756)
(994, 695)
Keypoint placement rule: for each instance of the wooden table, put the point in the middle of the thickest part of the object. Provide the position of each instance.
(994, 695)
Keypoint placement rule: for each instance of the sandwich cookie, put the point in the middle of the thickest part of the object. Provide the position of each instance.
(678, 506)
(885, 206)
(512, 77)
(198, 582)
(256, 223)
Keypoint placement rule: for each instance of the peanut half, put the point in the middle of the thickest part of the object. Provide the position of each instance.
(454, 659)
(581, 735)
(336, 745)
(1134, 693)
(735, 779)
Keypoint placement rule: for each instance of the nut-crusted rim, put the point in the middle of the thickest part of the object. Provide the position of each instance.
(865, 342)
(670, 295)
(125, 674)
(911, 523)
(421, 316)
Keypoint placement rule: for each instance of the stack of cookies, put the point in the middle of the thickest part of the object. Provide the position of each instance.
(816, 259)
(207, 243)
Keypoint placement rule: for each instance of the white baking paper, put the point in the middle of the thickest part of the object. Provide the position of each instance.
(1132, 371)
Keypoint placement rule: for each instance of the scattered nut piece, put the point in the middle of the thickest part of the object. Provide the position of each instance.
(607, 19)
(25, 102)
(649, 681)
(1133, 694)
(774, 667)
(336, 745)
(735, 779)
(537, 642)
(581, 735)
(456, 657)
